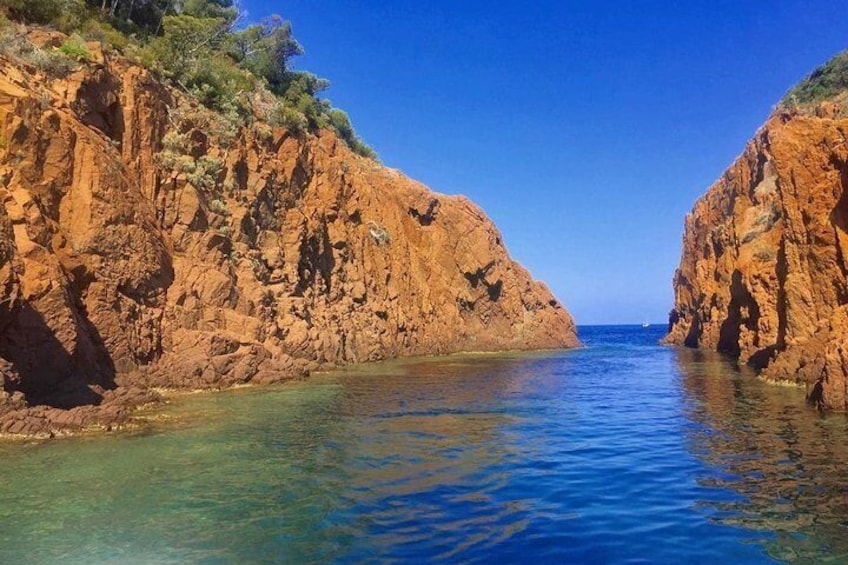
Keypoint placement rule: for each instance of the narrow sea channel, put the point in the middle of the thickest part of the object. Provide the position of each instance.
(624, 451)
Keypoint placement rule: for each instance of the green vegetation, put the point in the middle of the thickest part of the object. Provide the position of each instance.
(17, 47)
(241, 72)
(825, 83)
(75, 48)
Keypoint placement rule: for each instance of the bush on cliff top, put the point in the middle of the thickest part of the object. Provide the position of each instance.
(75, 48)
(824, 83)
(199, 46)
(52, 61)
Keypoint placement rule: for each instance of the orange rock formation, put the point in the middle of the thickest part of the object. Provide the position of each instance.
(763, 271)
(120, 274)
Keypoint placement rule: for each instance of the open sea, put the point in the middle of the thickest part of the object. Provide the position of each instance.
(621, 452)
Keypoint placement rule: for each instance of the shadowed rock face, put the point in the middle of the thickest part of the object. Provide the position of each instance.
(118, 274)
(763, 271)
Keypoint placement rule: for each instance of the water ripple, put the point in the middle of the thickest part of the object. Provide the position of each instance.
(622, 452)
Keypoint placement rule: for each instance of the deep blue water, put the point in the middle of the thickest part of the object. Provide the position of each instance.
(623, 451)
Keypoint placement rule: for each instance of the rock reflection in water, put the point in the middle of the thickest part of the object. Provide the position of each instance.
(418, 457)
(786, 461)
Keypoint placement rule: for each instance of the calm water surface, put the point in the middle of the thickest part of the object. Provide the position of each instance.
(620, 452)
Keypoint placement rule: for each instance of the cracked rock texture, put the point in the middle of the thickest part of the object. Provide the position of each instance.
(763, 271)
(119, 275)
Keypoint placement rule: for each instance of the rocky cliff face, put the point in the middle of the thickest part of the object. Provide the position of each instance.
(141, 247)
(763, 271)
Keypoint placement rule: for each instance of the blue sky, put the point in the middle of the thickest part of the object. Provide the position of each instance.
(586, 130)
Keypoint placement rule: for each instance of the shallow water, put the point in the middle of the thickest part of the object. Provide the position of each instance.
(622, 451)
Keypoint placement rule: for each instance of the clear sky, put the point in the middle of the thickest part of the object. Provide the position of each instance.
(585, 129)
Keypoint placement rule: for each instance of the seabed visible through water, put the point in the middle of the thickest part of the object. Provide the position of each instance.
(623, 450)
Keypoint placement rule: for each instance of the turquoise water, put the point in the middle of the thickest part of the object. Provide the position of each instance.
(620, 452)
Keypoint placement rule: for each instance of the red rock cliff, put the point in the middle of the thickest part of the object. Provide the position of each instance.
(763, 271)
(288, 253)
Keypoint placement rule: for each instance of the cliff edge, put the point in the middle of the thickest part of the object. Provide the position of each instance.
(142, 245)
(765, 251)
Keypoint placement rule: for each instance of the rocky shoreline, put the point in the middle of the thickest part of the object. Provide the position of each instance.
(762, 276)
(123, 408)
(147, 242)
(115, 411)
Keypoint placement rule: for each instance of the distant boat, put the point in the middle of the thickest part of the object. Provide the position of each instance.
(646, 325)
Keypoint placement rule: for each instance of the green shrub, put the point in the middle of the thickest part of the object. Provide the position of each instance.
(219, 207)
(107, 35)
(207, 170)
(263, 132)
(218, 83)
(52, 62)
(300, 92)
(222, 126)
(175, 142)
(186, 42)
(827, 81)
(290, 118)
(75, 48)
(340, 122)
(73, 16)
(18, 47)
(67, 15)
(33, 11)
(177, 162)
(361, 148)
(203, 173)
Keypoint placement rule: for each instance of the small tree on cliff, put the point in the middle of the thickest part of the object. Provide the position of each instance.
(266, 50)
